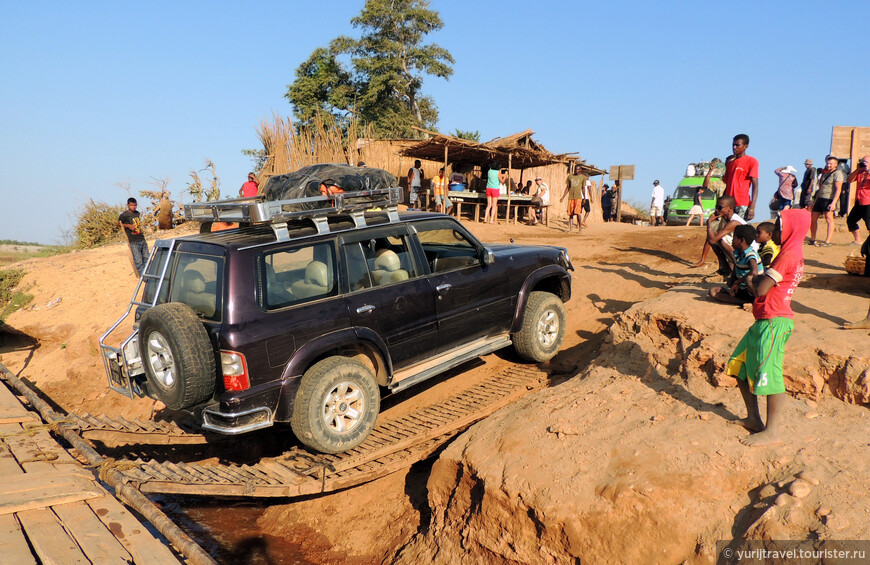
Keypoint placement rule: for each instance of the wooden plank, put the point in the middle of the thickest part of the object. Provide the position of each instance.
(29, 456)
(49, 540)
(10, 406)
(28, 493)
(135, 538)
(14, 544)
(26, 417)
(93, 537)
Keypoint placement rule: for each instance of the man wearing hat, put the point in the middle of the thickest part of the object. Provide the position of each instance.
(808, 184)
(657, 205)
(787, 183)
(540, 198)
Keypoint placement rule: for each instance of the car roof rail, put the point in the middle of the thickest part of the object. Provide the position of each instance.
(258, 210)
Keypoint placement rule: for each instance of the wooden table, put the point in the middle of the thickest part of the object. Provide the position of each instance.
(476, 200)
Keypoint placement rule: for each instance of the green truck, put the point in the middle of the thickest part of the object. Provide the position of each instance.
(680, 203)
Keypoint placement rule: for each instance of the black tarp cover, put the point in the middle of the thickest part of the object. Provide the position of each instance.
(306, 181)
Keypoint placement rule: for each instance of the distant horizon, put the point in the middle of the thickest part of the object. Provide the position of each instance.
(163, 86)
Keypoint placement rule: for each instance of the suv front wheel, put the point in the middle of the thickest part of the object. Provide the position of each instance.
(543, 328)
(336, 406)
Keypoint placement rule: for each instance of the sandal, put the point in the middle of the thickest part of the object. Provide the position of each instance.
(823, 243)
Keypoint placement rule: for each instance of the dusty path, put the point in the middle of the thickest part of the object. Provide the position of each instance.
(78, 295)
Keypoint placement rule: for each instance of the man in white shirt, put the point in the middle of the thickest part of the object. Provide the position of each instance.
(657, 205)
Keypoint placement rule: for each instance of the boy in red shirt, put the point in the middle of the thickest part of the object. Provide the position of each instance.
(757, 360)
(740, 174)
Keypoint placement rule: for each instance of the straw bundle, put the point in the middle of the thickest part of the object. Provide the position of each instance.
(324, 141)
(855, 264)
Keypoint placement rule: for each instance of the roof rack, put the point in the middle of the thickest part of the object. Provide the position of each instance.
(258, 210)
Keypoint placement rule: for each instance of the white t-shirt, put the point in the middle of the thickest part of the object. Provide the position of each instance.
(544, 193)
(729, 238)
(587, 189)
(658, 195)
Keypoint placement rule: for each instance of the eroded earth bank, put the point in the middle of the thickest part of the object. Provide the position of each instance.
(629, 456)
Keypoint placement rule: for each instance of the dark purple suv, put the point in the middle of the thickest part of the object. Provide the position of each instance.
(252, 326)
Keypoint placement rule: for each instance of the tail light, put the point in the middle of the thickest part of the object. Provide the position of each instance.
(235, 371)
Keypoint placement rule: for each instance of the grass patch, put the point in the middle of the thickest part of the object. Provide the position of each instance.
(10, 300)
(18, 301)
(8, 255)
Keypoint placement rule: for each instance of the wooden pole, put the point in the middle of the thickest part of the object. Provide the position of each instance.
(507, 214)
(853, 157)
(619, 195)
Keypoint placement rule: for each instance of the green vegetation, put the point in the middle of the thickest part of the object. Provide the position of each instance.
(14, 255)
(387, 66)
(10, 300)
(469, 135)
(97, 224)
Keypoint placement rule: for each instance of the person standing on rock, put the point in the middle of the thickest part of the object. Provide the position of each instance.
(130, 221)
(861, 209)
(757, 360)
(741, 173)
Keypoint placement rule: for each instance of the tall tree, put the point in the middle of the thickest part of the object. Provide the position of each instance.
(389, 62)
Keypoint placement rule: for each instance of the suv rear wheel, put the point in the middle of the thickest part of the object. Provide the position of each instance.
(336, 406)
(177, 355)
(543, 328)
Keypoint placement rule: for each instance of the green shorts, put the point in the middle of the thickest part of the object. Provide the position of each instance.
(759, 355)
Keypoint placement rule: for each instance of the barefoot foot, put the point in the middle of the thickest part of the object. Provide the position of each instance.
(750, 424)
(862, 325)
(761, 439)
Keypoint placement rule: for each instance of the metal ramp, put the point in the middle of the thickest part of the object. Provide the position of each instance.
(394, 444)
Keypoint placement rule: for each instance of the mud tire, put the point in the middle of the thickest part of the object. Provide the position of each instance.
(543, 328)
(332, 380)
(177, 355)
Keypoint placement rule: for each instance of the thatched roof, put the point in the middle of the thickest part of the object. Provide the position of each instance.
(524, 151)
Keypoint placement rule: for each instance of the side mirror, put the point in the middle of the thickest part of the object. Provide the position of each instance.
(487, 256)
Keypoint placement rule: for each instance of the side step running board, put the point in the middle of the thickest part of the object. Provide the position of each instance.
(437, 365)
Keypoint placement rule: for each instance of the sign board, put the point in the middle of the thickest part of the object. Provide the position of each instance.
(842, 142)
(622, 172)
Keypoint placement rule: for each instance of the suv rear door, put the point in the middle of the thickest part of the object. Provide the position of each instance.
(387, 293)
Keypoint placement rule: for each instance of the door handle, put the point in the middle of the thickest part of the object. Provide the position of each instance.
(367, 309)
(442, 288)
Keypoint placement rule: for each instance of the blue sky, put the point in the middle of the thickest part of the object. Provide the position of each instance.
(96, 94)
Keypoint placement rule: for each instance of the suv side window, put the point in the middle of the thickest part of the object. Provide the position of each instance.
(446, 247)
(378, 262)
(301, 274)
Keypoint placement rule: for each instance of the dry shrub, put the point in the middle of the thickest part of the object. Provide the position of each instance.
(324, 141)
(97, 224)
(200, 192)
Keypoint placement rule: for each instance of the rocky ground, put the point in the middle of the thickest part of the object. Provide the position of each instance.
(631, 455)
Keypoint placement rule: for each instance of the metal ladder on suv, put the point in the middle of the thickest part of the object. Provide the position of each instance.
(119, 367)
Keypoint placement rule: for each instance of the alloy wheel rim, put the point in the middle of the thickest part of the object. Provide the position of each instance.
(343, 407)
(160, 359)
(548, 328)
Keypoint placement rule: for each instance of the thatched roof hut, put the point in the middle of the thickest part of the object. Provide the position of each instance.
(518, 151)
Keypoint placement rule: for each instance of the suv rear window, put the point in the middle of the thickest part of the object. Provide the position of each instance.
(193, 279)
(297, 275)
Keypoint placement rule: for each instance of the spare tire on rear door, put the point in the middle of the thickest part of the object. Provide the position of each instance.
(177, 355)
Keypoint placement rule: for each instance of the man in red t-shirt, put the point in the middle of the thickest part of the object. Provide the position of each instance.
(250, 187)
(741, 173)
(757, 360)
(861, 209)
